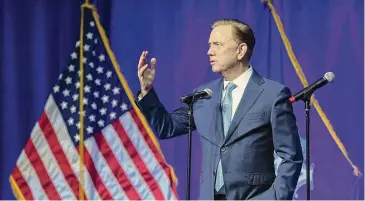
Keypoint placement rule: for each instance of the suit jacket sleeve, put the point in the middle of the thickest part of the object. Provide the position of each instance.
(287, 146)
(167, 125)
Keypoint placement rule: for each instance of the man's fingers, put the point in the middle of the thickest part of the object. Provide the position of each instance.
(153, 63)
(142, 69)
(142, 59)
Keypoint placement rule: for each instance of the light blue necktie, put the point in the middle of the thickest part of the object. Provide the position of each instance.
(227, 115)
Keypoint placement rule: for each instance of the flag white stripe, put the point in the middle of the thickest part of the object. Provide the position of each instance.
(54, 171)
(127, 163)
(30, 176)
(104, 171)
(147, 155)
(69, 148)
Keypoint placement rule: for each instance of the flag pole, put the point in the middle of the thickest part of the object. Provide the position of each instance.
(81, 91)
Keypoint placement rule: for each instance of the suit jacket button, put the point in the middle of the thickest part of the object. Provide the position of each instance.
(223, 149)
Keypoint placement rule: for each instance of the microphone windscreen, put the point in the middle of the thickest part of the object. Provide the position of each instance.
(329, 76)
(209, 92)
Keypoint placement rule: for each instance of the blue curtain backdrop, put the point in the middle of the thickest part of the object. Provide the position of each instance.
(37, 38)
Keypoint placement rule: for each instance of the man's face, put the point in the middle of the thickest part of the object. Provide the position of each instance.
(223, 49)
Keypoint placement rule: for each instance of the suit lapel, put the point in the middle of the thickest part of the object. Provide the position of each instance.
(217, 88)
(250, 95)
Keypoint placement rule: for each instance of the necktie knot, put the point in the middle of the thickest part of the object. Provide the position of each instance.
(230, 87)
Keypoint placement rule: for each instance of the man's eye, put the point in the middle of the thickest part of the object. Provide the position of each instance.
(215, 44)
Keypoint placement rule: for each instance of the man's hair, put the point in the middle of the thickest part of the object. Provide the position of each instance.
(242, 32)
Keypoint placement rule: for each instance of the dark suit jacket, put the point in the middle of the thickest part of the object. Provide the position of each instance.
(263, 122)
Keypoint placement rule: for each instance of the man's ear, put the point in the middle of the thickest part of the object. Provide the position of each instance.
(242, 50)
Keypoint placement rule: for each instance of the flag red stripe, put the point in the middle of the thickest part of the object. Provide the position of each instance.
(115, 167)
(153, 148)
(98, 182)
(42, 174)
(139, 163)
(22, 184)
(57, 151)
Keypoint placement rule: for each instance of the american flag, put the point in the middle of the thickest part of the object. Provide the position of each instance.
(122, 159)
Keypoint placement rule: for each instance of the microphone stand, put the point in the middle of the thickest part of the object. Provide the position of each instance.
(189, 101)
(306, 100)
(190, 115)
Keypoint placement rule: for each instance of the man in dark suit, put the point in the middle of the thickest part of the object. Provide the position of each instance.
(247, 118)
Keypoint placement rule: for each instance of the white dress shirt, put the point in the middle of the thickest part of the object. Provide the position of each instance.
(237, 93)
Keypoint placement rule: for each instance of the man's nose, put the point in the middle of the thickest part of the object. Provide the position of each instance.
(210, 52)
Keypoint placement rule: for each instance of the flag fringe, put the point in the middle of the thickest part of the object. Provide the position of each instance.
(16, 190)
(126, 87)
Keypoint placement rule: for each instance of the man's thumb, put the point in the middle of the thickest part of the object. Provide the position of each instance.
(153, 63)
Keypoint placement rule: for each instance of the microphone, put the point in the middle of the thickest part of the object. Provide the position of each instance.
(205, 94)
(328, 77)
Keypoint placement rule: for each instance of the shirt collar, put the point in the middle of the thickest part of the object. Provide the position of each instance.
(242, 80)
